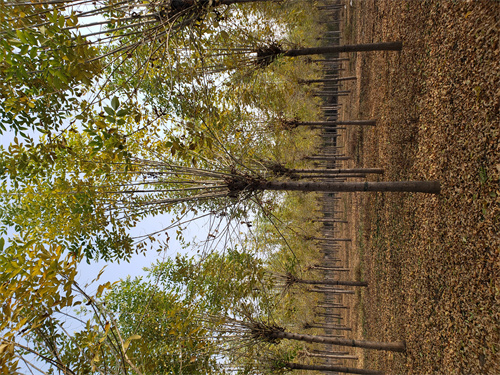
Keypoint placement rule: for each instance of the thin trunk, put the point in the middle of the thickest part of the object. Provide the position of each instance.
(325, 80)
(331, 282)
(330, 239)
(338, 170)
(328, 290)
(332, 306)
(324, 268)
(430, 187)
(328, 352)
(330, 93)
(323, 158)
(387, 346)
(384, 46)
(333, 356)
(329, 221)
(332, 178)
(346, 370)
(328, 326)
(327, 124)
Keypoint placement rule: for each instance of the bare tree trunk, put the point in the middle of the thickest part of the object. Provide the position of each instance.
(325, 268)
(335, 123)
(430, 187)
(384, 46)
(387, 346)
(331, 282)
(333, 291)
(328, 326)
(333, 356)
(327, 80)
(346, 370)
(329, 221)
(338, 170)
(327, 158)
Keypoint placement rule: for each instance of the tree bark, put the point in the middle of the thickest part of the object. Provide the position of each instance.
(329, 221)
(331, 282)
(346, 370)
(384, 46)
(335, 123)
(328, 326)
(325, 268)
(333, 356)
(430, 187)
(334, 158)
(337, 171)
(386, 346)
(333, 291)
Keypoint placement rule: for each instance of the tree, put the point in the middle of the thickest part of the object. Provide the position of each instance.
(36, 282)
(347, 370)
(255, 330)
(291, 279)
(170, 338)
(45, 67)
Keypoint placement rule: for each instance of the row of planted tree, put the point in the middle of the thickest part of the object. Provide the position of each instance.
(195, 111)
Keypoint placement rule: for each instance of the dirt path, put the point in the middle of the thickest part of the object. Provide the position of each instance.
(433, 261)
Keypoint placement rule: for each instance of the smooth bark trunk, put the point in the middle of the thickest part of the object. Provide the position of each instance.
(430, 187)
(333, 291)
(384, 46)
(324, 268)
(335, 123)
(325, 158)
(386, 346)
(346, 370)
(331, 282)
(333, 356)
(328, 326)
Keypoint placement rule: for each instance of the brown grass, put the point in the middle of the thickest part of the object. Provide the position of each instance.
(433, 262)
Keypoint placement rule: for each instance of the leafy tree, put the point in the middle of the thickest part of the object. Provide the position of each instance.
(45, 66)
(170, 339)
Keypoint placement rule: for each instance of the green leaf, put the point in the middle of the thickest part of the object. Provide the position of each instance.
(115, 103)
(109, 111)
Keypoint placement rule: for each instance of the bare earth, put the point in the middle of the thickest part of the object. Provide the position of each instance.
(432, 262)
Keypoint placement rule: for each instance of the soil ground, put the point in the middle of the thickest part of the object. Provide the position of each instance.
(432, 261)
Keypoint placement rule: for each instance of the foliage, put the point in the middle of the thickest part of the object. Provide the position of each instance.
(117, 125)
(45, 67)
(170, 339)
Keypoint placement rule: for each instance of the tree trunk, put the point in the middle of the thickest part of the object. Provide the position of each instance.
(331, 282)
(387, 346)
(346, 370)
(333, 356)
(323, 124)
(325, 268)
(329, 221)
(328, 326)
(334, 291)
(430, 187)
(384, 46)
(334, 158)
(326, 80)
(338, 171)
(328, 352)
(330, 239)
(333, 306)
